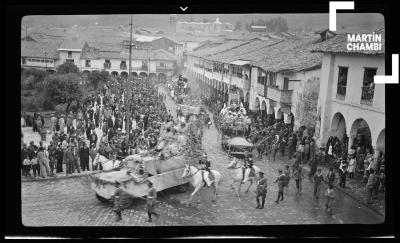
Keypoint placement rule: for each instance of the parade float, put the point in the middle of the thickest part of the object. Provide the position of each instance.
(234, 122)
(177, 145)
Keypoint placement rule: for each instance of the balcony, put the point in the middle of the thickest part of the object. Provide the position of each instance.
(279, 95)
(124, 67)
(107, 65)
(367, 95)
(165, 68)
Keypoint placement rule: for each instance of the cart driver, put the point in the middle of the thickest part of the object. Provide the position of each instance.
(249, 170)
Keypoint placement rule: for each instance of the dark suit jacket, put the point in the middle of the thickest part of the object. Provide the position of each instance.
(84, 153)
(69, 157)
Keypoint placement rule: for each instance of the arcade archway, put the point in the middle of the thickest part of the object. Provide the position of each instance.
(338, 126)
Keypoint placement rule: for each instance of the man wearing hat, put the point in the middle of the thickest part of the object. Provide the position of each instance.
(71, 159)
(59, 157)
(84, 156)
(151, 199)
(261, 190)
(117, 200)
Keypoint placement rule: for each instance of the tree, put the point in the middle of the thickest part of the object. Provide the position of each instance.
(32, 78)
(96, 78)
(63, 89)
(67, 67)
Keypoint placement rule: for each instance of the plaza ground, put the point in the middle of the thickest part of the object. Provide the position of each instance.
(72, 202)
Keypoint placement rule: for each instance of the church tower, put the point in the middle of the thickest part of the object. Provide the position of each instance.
(172, 22)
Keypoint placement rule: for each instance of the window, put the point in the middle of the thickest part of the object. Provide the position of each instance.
(87, 63)
(285, 83)
(107, 63)
(23, 60)
(70, 60)
(272, 79)
(144, 64)
(70, 54)
(261, 77)
(162, 64)
(342, 81)
(122, 65)
(368, 87)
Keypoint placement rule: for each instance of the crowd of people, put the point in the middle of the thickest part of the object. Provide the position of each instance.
(273, 137)
(129, 114)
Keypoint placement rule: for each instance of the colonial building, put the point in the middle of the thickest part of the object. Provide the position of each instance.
(70, 51)
(144, 63)
(153, 63)
(39, 55)
(350, 103)
(285, 82)
(209, 27)
(154, 43)
(276, 78)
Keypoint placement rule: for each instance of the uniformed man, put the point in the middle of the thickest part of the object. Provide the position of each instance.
(117, 200)
(205, 165)
(261, 190)
(248, 169)
(151, 199)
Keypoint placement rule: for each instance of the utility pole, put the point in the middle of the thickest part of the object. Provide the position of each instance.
(130, 52)
(129, 95)
(148, 66)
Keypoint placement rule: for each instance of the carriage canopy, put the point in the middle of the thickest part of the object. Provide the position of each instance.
(239, 142)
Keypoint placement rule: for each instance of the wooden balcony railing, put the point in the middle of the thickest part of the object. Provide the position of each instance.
(279, 95)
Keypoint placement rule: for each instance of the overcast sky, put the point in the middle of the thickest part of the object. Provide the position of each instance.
(351, 21)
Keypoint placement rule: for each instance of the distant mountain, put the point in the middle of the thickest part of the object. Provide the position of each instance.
(350, 21)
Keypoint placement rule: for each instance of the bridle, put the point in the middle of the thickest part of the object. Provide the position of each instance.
(190, 172)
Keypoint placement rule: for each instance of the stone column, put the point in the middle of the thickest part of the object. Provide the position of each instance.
(351, 140)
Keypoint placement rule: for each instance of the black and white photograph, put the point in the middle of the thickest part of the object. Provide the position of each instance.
(187, 119)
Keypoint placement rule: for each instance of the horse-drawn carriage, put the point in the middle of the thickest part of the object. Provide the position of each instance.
(237, 146)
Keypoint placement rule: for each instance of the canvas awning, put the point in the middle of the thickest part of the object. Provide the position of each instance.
(240, 62)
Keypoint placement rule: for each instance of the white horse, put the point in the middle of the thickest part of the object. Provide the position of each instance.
(107, 164)
(196, 179)
(240, 175)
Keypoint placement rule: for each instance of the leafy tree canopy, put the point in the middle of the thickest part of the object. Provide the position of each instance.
(67, 67)
(63, 89)
(96, 78)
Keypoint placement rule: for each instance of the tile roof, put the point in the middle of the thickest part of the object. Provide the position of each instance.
(71, 44)
(38, 49)
(271, 55)
(338, 45)
(289, 55)
(244, 52)
(217, 49)
(158, 54)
